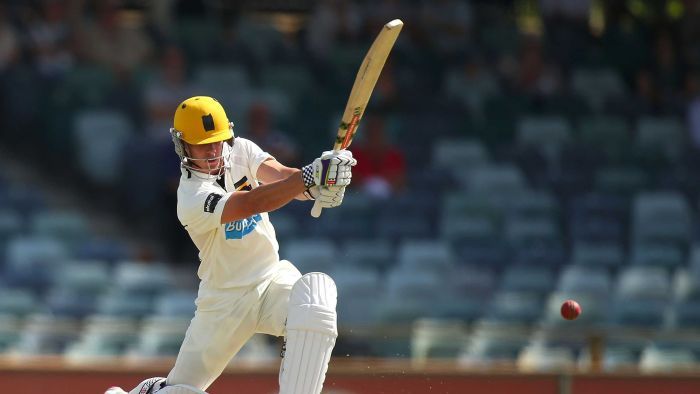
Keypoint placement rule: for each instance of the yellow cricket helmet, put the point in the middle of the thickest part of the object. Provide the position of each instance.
(202, 120)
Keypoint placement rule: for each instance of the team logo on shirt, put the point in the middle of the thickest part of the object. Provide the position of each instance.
(240, 228)
(211, 201)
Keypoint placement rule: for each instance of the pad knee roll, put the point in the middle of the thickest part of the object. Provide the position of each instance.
(312, 303)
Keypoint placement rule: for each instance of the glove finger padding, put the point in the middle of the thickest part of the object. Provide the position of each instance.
(330, 196)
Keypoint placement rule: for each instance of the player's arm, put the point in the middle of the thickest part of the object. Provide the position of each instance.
(332, 168)
(272, 170)
(264, 198)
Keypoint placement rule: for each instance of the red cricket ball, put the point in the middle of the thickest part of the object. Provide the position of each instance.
(570, 310)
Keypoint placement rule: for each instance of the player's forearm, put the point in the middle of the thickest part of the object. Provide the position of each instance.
(286, 172)
(264, 198)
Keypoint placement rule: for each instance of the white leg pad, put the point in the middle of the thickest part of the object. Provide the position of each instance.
(311, 332)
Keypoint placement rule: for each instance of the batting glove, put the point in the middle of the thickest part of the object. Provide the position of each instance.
(333, 168)
(327, 196)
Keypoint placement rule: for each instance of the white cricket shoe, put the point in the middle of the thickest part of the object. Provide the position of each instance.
(115, 390)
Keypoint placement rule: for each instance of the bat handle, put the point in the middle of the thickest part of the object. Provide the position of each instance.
(316, 209)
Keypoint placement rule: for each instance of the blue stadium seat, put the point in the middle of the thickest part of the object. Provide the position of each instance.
(686, 284)
(87, 277)
(472, 281)
(437, 338)
(592, 229)
(514, 307)
(686, 315)
(601, 204)
(460, 228)
(46, 335)
(308, 255)
(425, 255)
(534, 279)
(430, 179)
(358, 292)
(522, 231)
(107, 249)
(70, 303)
(446, 152)
(66, 226)
(125, 304)
(608, 255)
(26, 253)
(583, 279)
(392, 227)
(18, 301)
(11, 224)
(493, 179)
(534, 204)
(417, 201)
(660, 135)
(176, 303)
(638, 313)
(608, 133)
(10, 331)
(103, 336)
(490, 253)
(159, 337)
(622, 180)
(468, 204)
(494, 342)
(357, 223)
(641, 297)
(410, 296)
(548, 253)
(597, 86)
(644, 283)
(139, 277)
(545, 133)
(286, 226)
(31, 261)
(657, 255)
(375, 253)
(661, 217)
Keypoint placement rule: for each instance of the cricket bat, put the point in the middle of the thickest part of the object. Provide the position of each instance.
(366, 78)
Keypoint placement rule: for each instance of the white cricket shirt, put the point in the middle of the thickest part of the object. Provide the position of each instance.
(239, 253)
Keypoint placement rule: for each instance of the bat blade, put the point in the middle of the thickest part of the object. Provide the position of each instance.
(366, 79)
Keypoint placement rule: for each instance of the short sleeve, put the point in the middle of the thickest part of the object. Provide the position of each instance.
(255, 155)
(201, 211)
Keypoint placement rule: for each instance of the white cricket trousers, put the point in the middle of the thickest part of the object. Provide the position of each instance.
(225, 320)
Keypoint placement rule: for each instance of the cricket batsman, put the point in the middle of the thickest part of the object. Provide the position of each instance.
(228, 185)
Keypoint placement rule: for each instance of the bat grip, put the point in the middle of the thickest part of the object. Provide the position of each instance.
(316, 209)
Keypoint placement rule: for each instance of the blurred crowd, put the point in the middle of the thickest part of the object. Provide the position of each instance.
(514, 152)
(460, 69)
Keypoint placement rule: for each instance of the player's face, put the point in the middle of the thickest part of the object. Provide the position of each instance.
(207, 157)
